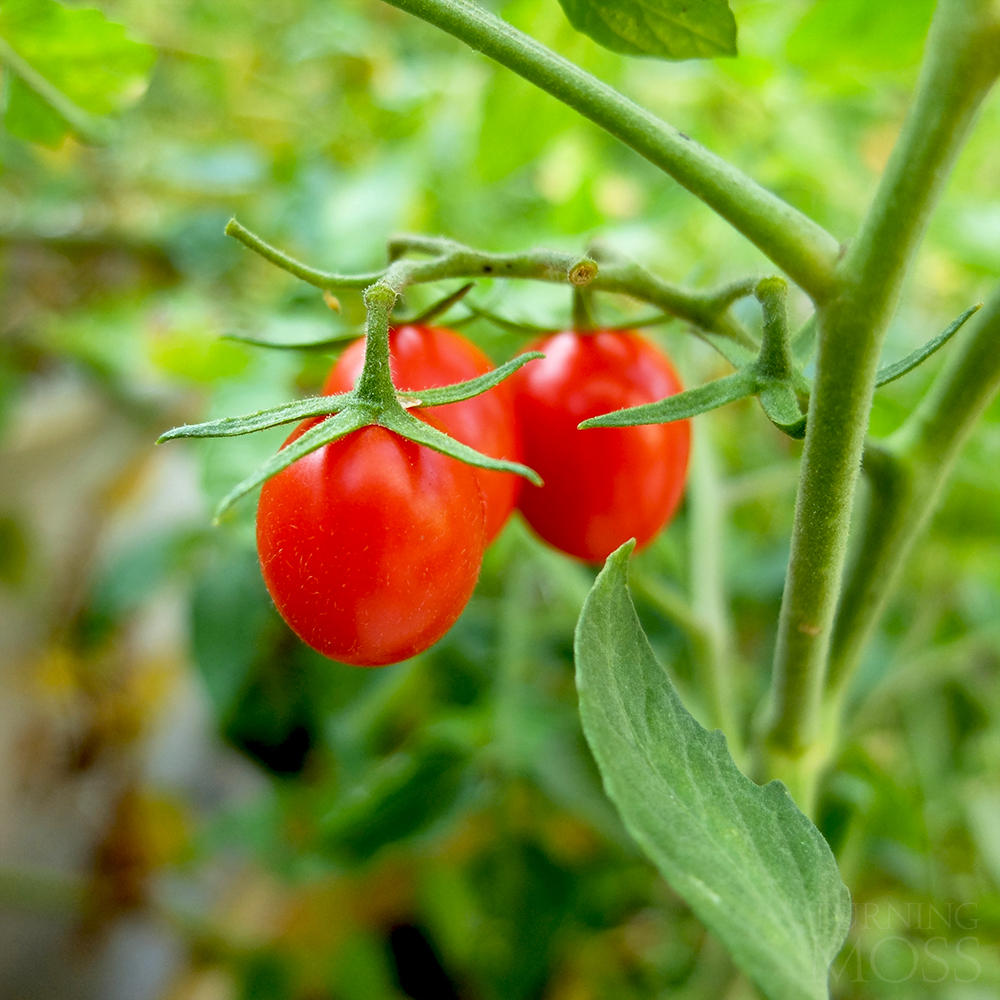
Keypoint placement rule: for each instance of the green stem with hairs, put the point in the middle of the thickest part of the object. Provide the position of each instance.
(907, 473)
(960, 65)
(797, 244)
(707, 311)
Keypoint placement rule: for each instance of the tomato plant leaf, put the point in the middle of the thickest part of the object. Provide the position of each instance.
(405, 794)
(314, 406)
(669, 29)
(889, 373)
(70, 68)
(686, 404)
(753, 868)
(413, 429)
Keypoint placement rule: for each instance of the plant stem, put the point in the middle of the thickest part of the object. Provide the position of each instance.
(801, 247)
(907, 474)
(959, 67)
(375, 381)
(708, 311)
(707, 516)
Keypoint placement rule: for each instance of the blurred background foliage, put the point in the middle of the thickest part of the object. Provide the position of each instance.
(195, 806)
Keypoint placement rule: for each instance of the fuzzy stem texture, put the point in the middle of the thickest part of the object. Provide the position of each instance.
(960, 65)
(797, 244)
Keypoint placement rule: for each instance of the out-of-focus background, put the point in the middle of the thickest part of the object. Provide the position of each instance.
(193, 805)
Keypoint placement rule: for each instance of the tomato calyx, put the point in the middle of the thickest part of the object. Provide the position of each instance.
(772, 377)
(373, 401)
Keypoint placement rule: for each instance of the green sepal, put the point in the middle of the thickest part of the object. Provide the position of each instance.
(339, 425)
(889, 373)
(685, 404)
(286, 413)
(408, 426)
(779, 402)
(473, 387)
(736, 354)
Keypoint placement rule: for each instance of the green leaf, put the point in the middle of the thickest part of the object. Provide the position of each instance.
(753, 868)
(406, 794)
(889, 373)
(705, 397)
(670, 29)
(70, 66)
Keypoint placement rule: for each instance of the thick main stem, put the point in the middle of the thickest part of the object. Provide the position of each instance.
(806, 251)
(908, 473)
(959, 67)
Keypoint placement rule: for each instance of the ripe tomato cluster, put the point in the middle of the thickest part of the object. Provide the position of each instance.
(371, 546)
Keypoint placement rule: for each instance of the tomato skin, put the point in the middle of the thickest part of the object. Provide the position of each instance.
(423, 357)
(606, 485)
(371, 546)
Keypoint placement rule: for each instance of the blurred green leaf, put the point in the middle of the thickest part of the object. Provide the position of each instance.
(78, 64)
(670, 29)
(232, 623)
(754, 869)
(403, 796)
(852, 39)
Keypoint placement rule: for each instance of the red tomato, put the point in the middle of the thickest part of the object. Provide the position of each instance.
(371, 545)
(607, 485)
(424, 357)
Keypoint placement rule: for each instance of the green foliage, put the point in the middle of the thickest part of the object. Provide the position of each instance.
(843, 41)
(745, 858)
(328, 127)
(670, 29)
(78, 65)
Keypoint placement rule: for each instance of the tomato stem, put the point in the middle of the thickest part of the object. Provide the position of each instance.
(583, 320)
(960, 65)
(374, 384)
